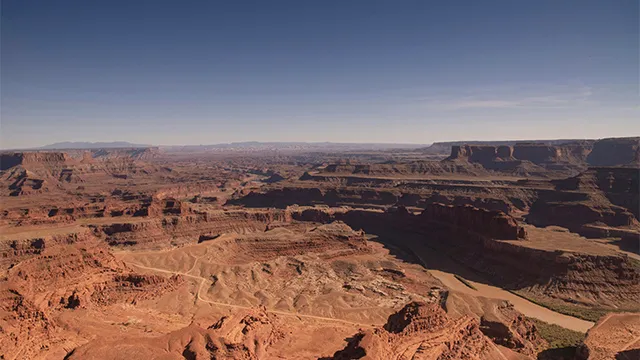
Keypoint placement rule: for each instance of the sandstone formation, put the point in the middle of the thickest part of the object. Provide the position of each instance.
(9, 160)
(244, 335)
(615, 337)
(45, 277)
(533, 266)
(492, 224)
(615, 151)
(424, 331)
(507, 327)
(593, 203)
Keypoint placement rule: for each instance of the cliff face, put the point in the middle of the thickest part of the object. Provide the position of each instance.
(410, 168)
(9, 160)
(621, 186)
(501, 199)
(600, 280)
(74, 270)
(524, 159)
(604, 152)
(44, 277)
(483, 154)
(493, 224)
(537, 153)
(600, 196)
(614, 152)
(187, 228)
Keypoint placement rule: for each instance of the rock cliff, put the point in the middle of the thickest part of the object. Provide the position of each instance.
(614, 337)
(421, 330)
(615, 151)
(492, 224)
(607, 280)
(9, 160)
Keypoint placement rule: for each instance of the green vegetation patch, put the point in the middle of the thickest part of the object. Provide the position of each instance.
(580, 312)
(563, 343)
(557, 336)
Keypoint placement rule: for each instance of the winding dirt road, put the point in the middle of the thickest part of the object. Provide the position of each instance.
(284, 313)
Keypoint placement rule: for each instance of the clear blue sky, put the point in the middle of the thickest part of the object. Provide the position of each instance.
(202, 72)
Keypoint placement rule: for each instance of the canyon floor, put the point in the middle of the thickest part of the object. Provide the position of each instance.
(493, 251)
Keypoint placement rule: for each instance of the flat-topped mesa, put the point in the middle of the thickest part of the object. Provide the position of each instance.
(537, 153)
(481, 153)
(615, 152)
(9, 160)
(504, 152)
(492, 224)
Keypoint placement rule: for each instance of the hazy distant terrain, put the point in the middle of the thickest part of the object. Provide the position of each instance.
(89, 145)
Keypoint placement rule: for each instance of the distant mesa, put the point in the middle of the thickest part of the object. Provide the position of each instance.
(625, 151)
(604, 152)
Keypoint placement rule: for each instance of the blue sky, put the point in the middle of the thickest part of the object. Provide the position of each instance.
(202, 72)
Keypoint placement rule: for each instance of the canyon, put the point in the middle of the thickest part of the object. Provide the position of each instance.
(456, 251)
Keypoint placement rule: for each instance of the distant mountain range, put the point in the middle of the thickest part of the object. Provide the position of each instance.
(90, 145)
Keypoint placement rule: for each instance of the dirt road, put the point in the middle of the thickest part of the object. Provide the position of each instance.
(200, 298)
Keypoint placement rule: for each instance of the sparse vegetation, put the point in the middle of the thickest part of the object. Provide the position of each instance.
(557, 336)
(465, 281)
(584, 313)
(562, 342)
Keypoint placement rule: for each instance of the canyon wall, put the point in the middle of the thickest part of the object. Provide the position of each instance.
(600, 196)
(9, 160)
(604, 152)
(492, 224)
(616, 151)
(601, 280)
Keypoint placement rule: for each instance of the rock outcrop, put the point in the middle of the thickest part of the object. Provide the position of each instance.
(507, 327)
(620, 185)
(592, 202)
(484, 154)
(614, 337)
(9, 160)
(492, 224)
(615, 152)
(243, 335)
(45, 276)
(525, 159)
(537, 153)
(606, 281)
(421, 330)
